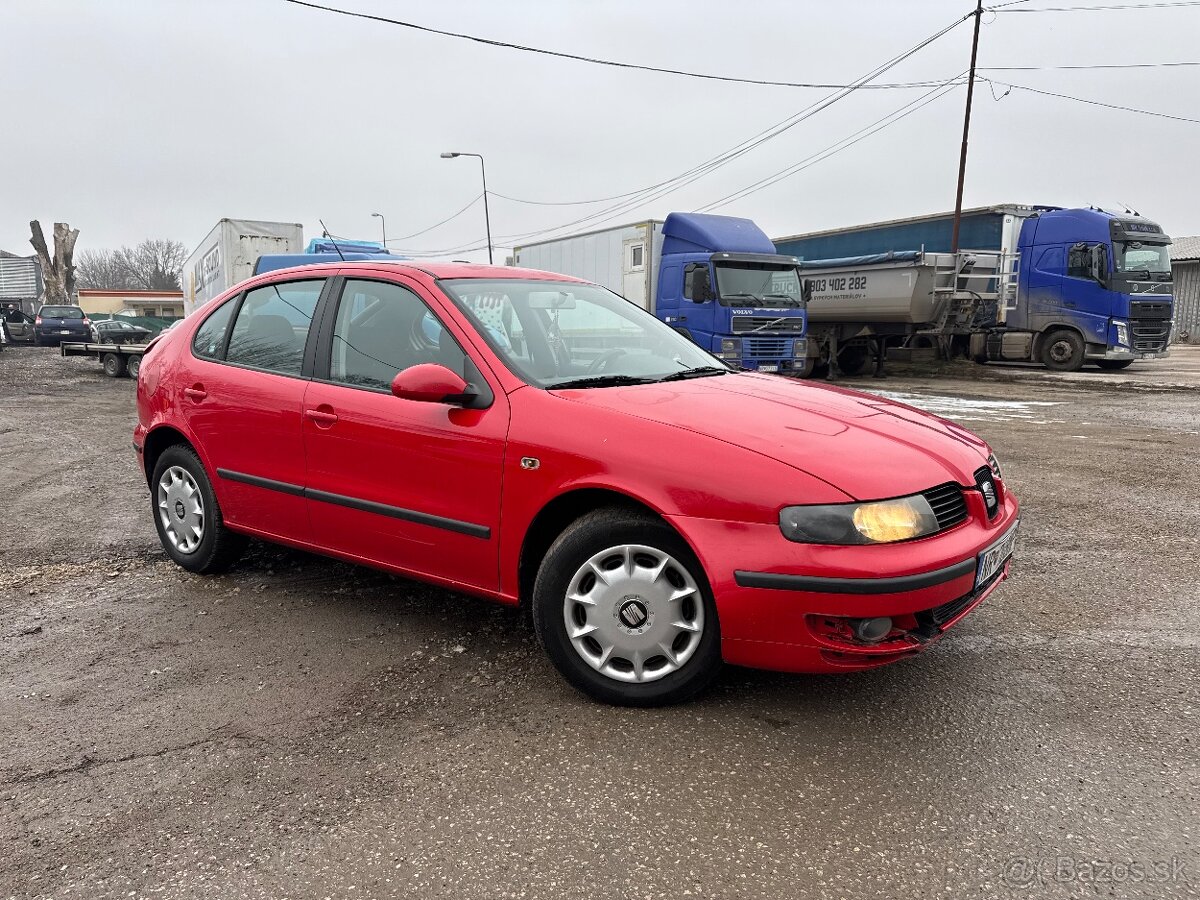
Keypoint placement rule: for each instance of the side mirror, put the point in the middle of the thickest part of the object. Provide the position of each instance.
(1099, 264)
(431, 383)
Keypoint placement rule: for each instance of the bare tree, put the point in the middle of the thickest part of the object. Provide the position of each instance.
(154, 264)
(101, 270)
(58, 273)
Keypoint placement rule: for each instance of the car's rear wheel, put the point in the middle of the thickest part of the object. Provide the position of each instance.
(187, 517)
(114, 364)
(624, 610)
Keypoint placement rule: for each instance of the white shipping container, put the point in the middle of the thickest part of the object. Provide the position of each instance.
(228, 254)
(623, 259)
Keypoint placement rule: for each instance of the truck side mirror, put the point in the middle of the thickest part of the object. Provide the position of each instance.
(1099, 264)
(696, 284)
(806, 290)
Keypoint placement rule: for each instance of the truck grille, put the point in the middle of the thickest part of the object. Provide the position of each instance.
(767, 346)
(1149, 309)
(947, 503)
(742, 324)
(1149, 335)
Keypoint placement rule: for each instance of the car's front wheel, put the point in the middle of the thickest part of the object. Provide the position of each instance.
(624, 610)
(187, 516)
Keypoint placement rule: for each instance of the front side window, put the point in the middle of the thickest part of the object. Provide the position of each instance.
(272, 326)
(1079, 263)
(759, 283)
(383, 328)
(551, 333)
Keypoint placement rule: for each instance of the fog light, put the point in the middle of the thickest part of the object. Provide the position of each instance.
(872, 631)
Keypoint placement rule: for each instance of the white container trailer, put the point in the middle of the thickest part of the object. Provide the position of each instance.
(228, 254)
(623, 259)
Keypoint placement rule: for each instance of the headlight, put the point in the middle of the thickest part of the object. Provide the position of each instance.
(994, 465)
(731, 348)
(1122, 333)
(800, 348)
(882, 522)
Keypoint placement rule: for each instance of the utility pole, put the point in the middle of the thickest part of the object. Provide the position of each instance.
(962, 157)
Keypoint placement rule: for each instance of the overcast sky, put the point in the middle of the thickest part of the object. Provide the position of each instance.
(156, 118)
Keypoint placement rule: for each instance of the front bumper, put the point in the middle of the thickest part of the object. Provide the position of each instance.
(787, 606)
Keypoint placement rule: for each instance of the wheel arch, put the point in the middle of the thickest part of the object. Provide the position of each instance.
(1039, 337)
(558, 513)
(156, 443)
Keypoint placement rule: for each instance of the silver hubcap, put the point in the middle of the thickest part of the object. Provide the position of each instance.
(634, 613)
(181, 509)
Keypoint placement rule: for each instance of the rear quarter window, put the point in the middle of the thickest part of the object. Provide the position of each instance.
(210, 336)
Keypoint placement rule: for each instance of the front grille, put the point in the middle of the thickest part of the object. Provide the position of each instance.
(947, 503)
(766, 346)
(789, 325)
(1149, 335)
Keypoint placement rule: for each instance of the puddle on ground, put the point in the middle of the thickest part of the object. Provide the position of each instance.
(963, 409)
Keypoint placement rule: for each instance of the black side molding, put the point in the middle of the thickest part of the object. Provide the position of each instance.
(395, 512)
(824, 585)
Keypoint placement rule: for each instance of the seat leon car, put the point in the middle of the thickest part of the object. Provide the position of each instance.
(536, 439)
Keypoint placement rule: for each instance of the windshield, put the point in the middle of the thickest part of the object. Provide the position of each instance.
(761, 283)
(1136, 256)
(551, 333)
(61, 312)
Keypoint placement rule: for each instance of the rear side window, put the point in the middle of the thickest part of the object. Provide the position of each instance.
(210, 336)
(272, 326)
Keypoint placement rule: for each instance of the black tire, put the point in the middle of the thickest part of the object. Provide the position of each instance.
(133, 365)
(853, 360)
(219, 548)
(1112, 365)
(114, 365)
(593, 534)
(804, 367)
(1062, 350)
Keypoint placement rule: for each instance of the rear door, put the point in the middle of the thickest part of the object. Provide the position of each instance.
(242, 399)
(407, 484)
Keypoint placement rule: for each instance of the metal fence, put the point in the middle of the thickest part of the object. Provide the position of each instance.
(1186, 274)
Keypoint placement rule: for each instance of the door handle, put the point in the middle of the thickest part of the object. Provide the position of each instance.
(322, 417)
(196, 393)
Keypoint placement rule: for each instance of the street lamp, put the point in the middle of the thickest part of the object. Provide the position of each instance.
(486, 218)
(383, 225)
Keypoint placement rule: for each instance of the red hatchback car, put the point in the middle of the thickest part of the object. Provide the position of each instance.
(532, 438)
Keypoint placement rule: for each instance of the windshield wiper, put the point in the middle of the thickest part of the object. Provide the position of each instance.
(740, 296)
(791, 300)
(601, 381)
(697, 372)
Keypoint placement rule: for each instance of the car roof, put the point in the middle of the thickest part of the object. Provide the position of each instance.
(436, 269)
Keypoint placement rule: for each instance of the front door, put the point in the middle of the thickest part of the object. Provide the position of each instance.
(243, 401)
(411, 485)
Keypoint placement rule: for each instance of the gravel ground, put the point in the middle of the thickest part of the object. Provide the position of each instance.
(304, 728)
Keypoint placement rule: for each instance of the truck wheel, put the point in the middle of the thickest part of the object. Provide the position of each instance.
(1112, 365)
(133, 365)
(186, 515)
(114, 365)
(1062, 351)
(624, 611)
(804, 367)
(853, 360)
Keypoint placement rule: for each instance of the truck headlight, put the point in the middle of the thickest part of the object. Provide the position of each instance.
(800, 348)
(1122, 332)
(731, 348)
(881, 522)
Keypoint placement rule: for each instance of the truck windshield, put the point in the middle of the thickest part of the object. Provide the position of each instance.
(762, 284)
(1136, 256)
(563, 333)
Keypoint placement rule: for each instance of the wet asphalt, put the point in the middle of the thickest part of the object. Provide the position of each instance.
(304, 728)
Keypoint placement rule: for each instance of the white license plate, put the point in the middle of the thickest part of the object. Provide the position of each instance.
(64, 331)
(992, 559)
(1147, 356)
(768, 368)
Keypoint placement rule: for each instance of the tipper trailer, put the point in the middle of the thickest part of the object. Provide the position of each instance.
(1040, 283)
(716, 279)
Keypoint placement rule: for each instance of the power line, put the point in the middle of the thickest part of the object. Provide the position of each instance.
(1172, 5)
(833, 149)
(491, 42)
(475, 200)
(1158, 65)
(1144, 112)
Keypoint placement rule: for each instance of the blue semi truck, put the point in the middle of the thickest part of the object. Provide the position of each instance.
(1046, 284)
(716, 279)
